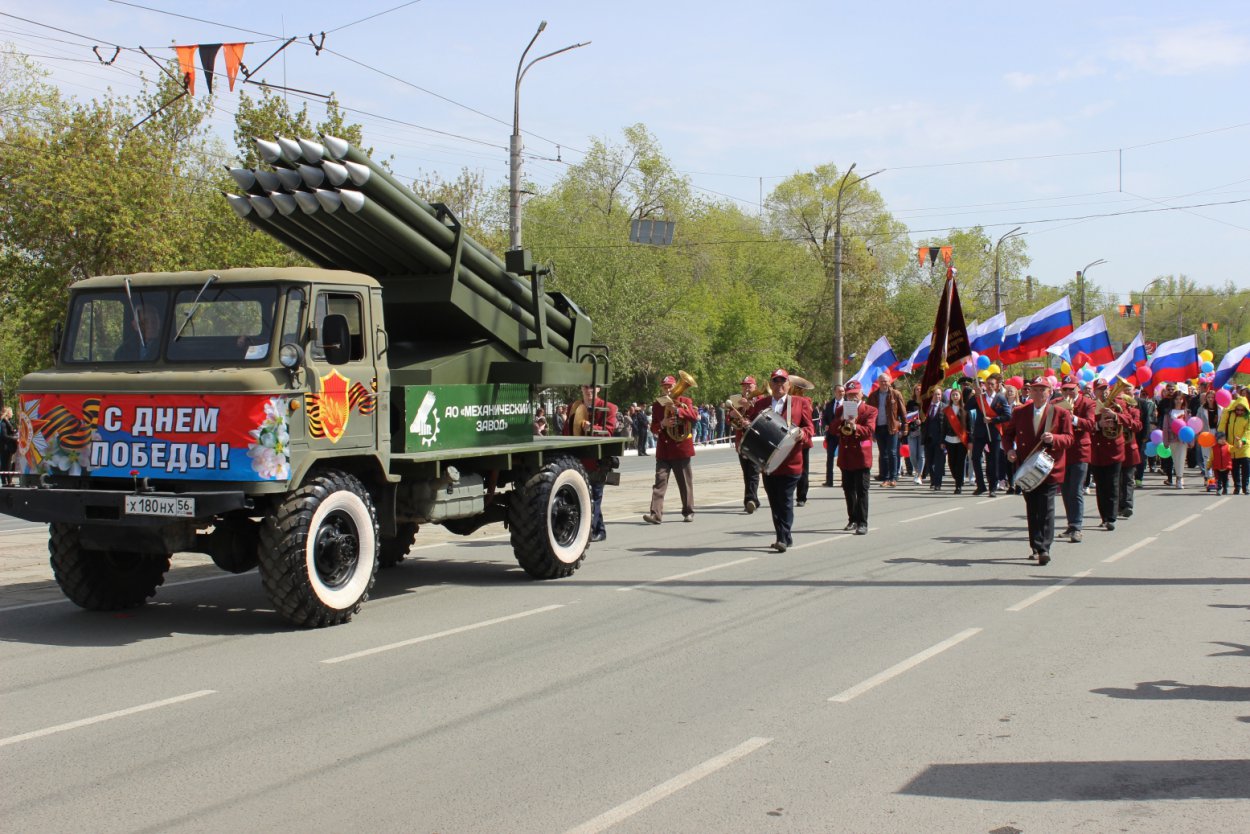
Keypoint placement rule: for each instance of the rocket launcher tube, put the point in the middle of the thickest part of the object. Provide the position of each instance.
(312, 177)
(270, 152)
(268, 180)
(409, 209)
(310, 204)
(386, 224)
(243, 207)
(312, 222)
(313, 152)
(291, 180)
(335, 173)
(290, 150)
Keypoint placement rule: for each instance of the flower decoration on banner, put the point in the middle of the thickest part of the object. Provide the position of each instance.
(270, 440)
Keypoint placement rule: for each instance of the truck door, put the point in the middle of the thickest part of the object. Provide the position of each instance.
(342, 398)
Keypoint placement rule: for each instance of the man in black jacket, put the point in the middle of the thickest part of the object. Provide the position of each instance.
(991, 411)
(831, 440)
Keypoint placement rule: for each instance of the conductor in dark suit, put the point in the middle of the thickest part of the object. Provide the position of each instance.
(855, 426)
(1047, 425)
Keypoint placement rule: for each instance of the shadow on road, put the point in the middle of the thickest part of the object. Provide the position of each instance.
(1176, 691)
(1112, 781)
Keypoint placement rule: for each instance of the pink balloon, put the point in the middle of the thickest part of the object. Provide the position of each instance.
(1176, 426)
(1223, 398)
(1195, 423)
(970, 370)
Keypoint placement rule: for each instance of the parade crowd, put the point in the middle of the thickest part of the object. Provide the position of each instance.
(1045, 439)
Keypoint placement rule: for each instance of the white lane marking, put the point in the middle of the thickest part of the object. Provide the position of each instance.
(1040, 595)
(1178, 525)
(989, 500)
(930, 515)
(425, 638)
(108, 716)
(1115, 557)
(1223, 500)
(818, 541)
(899, 668)
(645, 800)
(689, 573)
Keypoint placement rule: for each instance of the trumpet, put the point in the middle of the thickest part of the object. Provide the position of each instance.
(680, 430)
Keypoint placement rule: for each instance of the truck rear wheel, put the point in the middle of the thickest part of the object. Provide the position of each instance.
(392, 550)
(103, 580)
(319, 551)
(550, 520)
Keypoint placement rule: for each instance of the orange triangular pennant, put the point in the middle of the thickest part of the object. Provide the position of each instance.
(946, 254)
(234, 57)
(920, 254)
(186, 65)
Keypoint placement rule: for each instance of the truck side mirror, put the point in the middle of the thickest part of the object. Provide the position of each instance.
(336, 338)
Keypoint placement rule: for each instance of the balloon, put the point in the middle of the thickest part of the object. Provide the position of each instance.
(1164, 452)
(1194, 423)
(982, 374)
(1206, 367)
(1088, 374)
(1177, 425)
(1151, 448)
(1064, 367)
(1206, 356)
(983, 363)
(1143, 374)
(1185, 435)
(905, 451)
(1156, 436)
(994, 368)
(1206, 440)
(1053, 381)
(1018, 382)
(1223, 398)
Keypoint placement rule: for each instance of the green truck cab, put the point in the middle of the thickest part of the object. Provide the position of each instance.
(307, 421)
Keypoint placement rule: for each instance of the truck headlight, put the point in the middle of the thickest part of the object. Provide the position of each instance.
(290, 356)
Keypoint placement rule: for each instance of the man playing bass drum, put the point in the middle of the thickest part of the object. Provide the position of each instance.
(780, 484)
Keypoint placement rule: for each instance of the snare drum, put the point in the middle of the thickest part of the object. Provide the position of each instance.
(768, 441)
(1034, 470)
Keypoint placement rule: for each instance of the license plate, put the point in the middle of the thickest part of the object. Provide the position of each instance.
(164, 505)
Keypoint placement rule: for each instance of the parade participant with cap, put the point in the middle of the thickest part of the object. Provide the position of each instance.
(1132, 454)
(750, 472)
(1040, 424)
(1081, 417)
(592, 416)
(781, 483)
(854, 426)
(1107, 452)
(672, 454)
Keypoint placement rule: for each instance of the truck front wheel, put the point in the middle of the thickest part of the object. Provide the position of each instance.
(550, 520)
(103, 580)
(319, 551)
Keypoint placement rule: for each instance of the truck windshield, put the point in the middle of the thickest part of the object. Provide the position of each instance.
(227, 324)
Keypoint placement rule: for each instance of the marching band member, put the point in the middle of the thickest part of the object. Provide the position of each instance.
(1040, 424)
(1081, 418)
(750, 472)
(855, 425)
(1107, 452)
(781, 483)
(592, 416)
(1132, 453)
(674, 447)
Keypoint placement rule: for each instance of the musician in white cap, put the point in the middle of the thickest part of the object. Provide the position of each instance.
(780, 484)
(1039, 425)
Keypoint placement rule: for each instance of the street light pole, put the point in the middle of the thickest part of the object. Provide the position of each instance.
(1143, 306)
(998, 292)
(837, 273)
(1080, 283)
(514, 144)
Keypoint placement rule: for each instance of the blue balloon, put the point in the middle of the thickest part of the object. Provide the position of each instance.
(1185, 435)
(983, 363)
(1088, 374)
(1207, 367)
(1150, 449)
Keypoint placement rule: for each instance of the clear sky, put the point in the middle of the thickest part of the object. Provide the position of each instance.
(999, 114)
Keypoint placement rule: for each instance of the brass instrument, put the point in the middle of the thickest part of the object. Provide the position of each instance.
(1105, 408)
(798, 383)
(579, 414)
(737, 404)
(679, 430)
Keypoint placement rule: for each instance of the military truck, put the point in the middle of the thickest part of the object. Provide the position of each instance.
(307, 421)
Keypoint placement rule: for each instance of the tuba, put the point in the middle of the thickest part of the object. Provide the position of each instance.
(1110, 427)
(680, 430)
(579, 416)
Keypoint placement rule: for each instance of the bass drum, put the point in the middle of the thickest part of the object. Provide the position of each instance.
(768, 441)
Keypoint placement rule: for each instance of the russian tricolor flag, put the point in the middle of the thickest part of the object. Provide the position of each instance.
(987, 338)
(1091, 339)
(1127, 364)
(1175, 361)
(1236, 361)
(1028, 337)
(918, 357)
(880, 358)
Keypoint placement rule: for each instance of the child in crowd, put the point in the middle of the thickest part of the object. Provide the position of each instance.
(1221, 463)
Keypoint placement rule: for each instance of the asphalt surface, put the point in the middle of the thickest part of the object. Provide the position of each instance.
(925, 677)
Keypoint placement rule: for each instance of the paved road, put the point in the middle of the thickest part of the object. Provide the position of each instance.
(923, 678)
